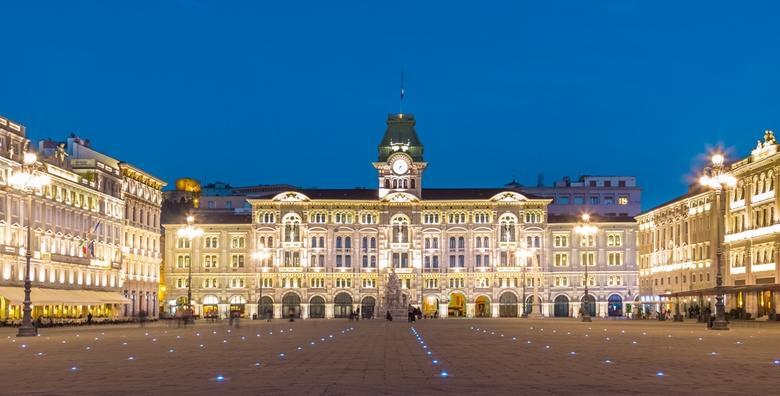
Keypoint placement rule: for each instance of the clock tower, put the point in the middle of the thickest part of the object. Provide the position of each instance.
(400, 164)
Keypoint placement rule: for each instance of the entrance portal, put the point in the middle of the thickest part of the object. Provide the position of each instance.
(265, 308)
(615, 305)
(561, 307)
(342, 305)
(317, 307)
(507, 305)
(367, 307)
(291, 305)
(482, 307)
(457, 305)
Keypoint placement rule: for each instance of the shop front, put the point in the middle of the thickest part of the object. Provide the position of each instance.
(61, 306)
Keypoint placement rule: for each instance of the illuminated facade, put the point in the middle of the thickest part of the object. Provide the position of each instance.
(466, 252)
(752, 237)
(677, 253)
(78, 228)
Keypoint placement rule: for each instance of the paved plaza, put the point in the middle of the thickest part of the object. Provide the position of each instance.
(483, 356)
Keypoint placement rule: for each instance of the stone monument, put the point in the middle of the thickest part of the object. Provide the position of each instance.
(393, 302)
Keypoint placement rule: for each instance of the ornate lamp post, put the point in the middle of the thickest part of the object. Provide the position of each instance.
(190, 232)
(585, 229)
(28, 180)
(260, 256)
(523, 254)
(717, 179)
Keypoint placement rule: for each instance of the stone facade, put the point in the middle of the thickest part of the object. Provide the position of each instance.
(78, 230)
(752, 239)
(677, 242)
(456, 252)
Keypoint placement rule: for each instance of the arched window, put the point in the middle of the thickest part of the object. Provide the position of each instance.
(461, 243)
(373, 243)
(413, 183)
(400, 229)
(507, 225)
(453, 243)
(338, 242)
(292, 228)
(348, 242)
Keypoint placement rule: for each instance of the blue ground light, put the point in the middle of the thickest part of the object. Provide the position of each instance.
(219, 378)
(660, 374)
(444, 374)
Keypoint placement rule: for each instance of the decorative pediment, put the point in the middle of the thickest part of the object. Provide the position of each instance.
(400, 197)
(291, 196)
(508, 196)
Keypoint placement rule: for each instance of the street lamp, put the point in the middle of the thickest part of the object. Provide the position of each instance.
(523, 254)
(28, 180)
(261, 255)
(190, 232)
(585, 229)
(717, 179)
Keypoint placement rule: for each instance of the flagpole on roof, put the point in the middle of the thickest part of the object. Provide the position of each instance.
(401, 100)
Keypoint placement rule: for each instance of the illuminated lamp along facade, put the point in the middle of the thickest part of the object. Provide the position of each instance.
(464, 252)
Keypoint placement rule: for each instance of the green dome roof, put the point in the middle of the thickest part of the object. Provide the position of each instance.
(400, 135)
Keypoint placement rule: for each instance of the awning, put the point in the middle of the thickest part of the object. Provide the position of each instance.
(42, 296)
(726, 290)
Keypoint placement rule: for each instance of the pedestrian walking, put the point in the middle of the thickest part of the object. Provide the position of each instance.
(89, 319)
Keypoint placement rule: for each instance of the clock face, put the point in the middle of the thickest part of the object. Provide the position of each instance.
(400, 167)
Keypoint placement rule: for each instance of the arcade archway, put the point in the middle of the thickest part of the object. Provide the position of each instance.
(456, 306)
(482, 307)
(507, 305)
(561, 307)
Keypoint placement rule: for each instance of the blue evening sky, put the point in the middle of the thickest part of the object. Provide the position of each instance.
(297, 92)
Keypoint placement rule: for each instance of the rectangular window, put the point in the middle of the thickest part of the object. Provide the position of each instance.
(614, 258)
(563, 200)
(588, 258)
(183, 261)
(560, 241)
(623, 200)
(210, 261)
(614, 239)
(237, 261)
(561, 260)
(579, 199)
(594, 200)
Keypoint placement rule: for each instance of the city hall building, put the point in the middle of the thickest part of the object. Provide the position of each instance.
(458, 252)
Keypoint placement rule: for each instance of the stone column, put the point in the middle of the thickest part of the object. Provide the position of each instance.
(305, 311)
(469, 310)
(328, 310)
(442, 310)
(278, 310)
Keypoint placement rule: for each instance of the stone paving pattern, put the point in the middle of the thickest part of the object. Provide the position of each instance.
(480, 356)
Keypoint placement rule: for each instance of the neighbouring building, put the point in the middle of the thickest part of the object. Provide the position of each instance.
(79, 264)
(677, 246)
(610, 196)
(465, 252)
(752, 226)
(678, 242)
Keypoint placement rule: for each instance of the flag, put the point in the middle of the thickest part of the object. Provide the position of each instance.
(97, 225)
(92, 248)
(83, 246)
(402, 85)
